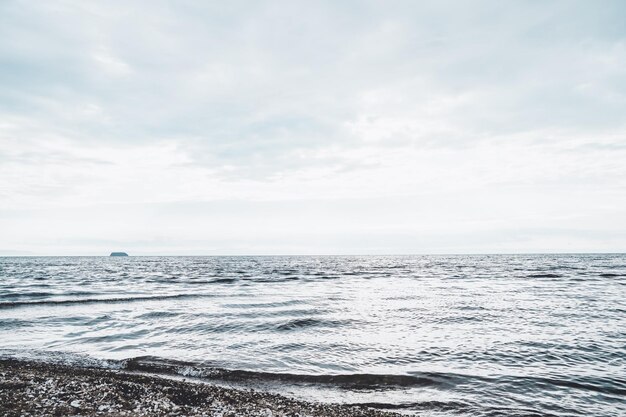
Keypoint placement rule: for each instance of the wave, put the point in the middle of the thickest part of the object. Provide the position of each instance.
(442, 380)
(223, 281)
(606, 385)
(432, 405)
(544, 275)
(297, 324)
(151, 364)
(59, 358)
(14, 304)
(362, 387)
(172, 367)
(265, 305)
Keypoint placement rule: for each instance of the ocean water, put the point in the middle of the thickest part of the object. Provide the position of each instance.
(434, 335)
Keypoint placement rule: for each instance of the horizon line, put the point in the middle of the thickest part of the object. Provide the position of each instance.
(321, 254)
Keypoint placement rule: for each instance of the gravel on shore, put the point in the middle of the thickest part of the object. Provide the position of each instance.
(37, 389)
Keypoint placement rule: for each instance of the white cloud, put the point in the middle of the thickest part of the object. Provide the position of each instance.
(479, 119)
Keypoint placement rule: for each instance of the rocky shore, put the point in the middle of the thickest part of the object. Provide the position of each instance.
(37, 389)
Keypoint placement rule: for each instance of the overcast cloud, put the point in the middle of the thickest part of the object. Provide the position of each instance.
(313, 127)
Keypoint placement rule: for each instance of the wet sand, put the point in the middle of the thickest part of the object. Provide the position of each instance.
(37, 389)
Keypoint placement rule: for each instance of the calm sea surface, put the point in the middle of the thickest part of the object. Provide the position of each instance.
(438, 335)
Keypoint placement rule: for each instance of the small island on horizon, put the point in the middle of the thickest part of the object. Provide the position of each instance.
(118, 254)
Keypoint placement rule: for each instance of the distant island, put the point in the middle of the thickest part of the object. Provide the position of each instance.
(119, 254)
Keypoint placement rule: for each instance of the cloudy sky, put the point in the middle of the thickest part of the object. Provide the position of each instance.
(312, 127)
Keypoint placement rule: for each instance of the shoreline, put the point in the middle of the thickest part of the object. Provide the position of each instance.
(30, 388)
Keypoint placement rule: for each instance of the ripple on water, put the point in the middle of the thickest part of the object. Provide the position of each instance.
(440, 335)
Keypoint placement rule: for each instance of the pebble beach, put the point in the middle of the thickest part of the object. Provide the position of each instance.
(37, 389)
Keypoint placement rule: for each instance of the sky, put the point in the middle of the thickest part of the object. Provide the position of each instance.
(312, 127)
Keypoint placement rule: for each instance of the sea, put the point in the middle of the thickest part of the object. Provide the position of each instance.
(479, 335)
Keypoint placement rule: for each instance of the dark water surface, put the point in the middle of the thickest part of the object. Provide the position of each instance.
(441, 335)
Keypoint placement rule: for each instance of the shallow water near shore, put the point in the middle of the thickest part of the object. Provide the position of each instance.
(441, 335)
